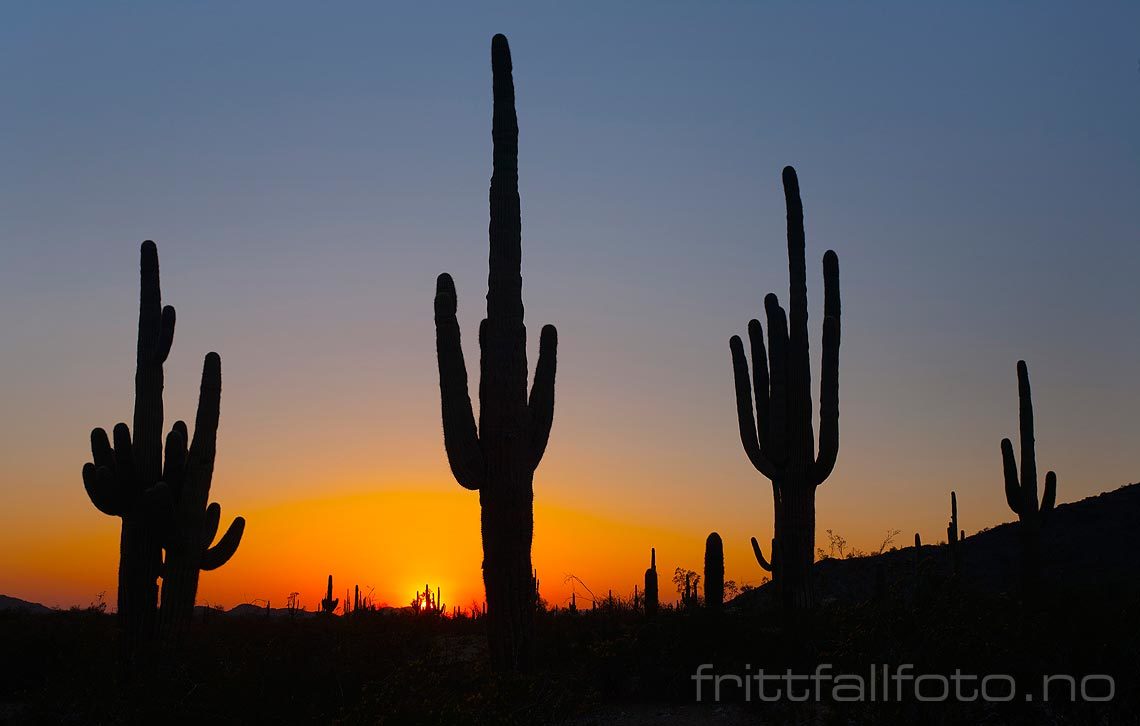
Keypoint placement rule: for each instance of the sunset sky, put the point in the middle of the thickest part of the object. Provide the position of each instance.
(307, 170)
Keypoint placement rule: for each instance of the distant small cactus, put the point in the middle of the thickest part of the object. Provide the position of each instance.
(329, 603)
(651, 584)
(952, 538)
(1021, 494)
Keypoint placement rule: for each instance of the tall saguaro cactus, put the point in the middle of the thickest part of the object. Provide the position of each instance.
(777, 431)
(500, 457)
(125, 478)
(1021, 493)
(162, 503)
(714, 571)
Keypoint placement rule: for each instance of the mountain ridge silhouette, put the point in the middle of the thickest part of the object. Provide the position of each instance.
(1083, 546)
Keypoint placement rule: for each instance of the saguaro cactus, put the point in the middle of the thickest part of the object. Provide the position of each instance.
(328, 604)
(777, 433)
(917, 552)
(191, 524)
(1021, 494)
(714, 571)
(952, 537)
(651, 584)
(124, 479)
(499, 459)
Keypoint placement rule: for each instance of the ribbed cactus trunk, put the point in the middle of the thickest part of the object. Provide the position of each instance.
(1021, 493)
(776, 429)
(193, 521)
(124, 479)
(500, 457)
(142, 536)
(797, 547)
(714, 572)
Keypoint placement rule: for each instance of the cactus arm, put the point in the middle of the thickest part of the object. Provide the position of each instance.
(218, 555)
(174, 465)
(541, 403)
(102, 489)
(101, 450)
(829, 373)
(748, 435)
(778, 373)
(166, 334)
(200, 472)
(124, 454)
(1049, 498)
(760, 383)
(1028, 452)
(204, 446)
(210, 524)
(460, 438)
(764, 564)
(1009, 468)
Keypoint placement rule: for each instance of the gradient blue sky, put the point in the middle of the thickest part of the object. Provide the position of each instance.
(308, 169)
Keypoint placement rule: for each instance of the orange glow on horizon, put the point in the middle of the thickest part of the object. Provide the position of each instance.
(383, 542)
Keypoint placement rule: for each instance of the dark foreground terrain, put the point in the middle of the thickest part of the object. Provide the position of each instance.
(616, 667)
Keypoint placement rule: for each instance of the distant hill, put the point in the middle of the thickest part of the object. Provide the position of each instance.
(249, 610)
(15, 603)
(1086, 544)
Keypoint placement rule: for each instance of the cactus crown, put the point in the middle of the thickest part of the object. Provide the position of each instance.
(776, 429)
(505, 413)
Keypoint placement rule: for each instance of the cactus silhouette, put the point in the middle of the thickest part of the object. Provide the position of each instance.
(952, 537)
(1021, 494)
(764, 564)
(125, 478)
(190, 522)
(651, 584)
(158, 499)
(777, 431)
(328, 604)
(917, 552)
(714, 571)
(499, 459)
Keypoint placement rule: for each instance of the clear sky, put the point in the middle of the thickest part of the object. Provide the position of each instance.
(308, 169)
